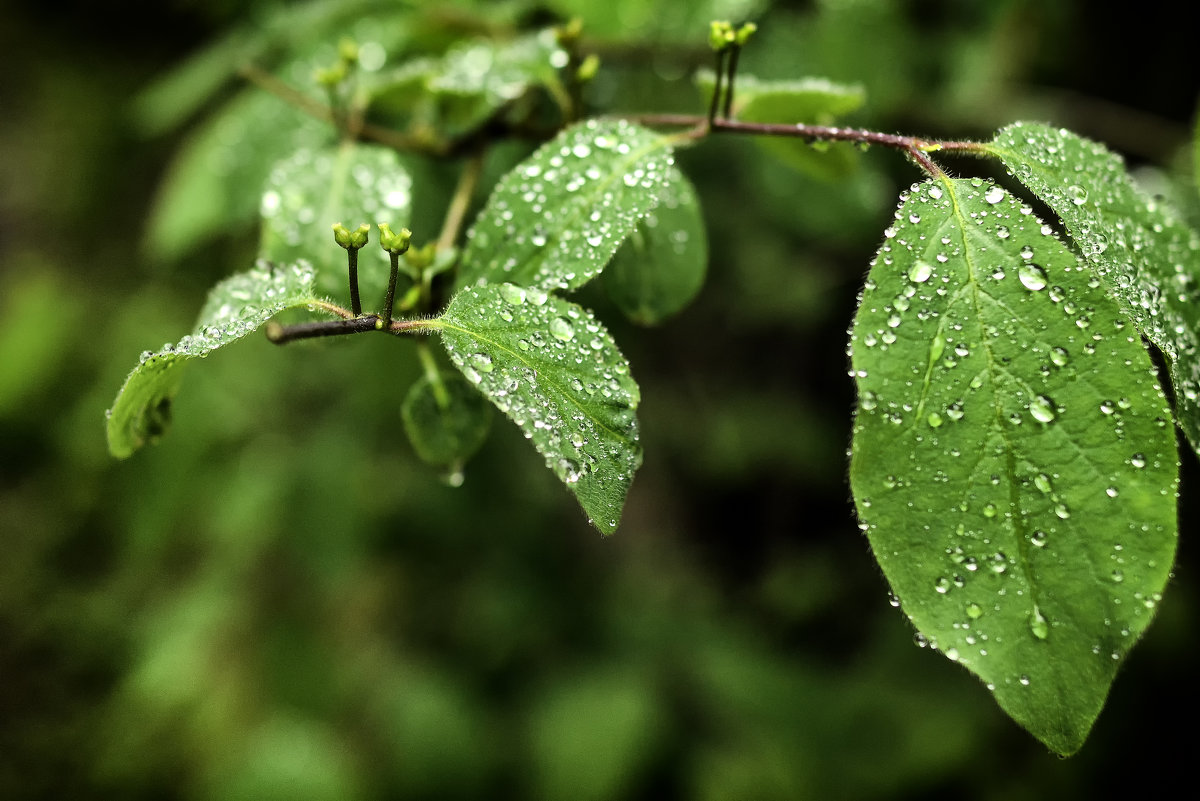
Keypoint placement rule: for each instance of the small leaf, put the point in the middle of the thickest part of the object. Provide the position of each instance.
(446, 419)
(235, 307)
(311, 190)
(1146, 256)
(814, 101)
(556, 219)
(1012, 461)
(554, 370)
(661, 267)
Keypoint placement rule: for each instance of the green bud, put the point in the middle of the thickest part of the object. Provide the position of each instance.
(348, 50)
(588, 69)
(744, 33)
(394, 242)
(351, 239)
(720, 35)
(331, 76)
(569, 34)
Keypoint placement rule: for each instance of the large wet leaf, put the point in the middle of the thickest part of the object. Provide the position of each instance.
(312, 189)
(556, 219)
(1013, 463)
(1147, 257)
(554, 370)
(236, 307)
(661, 266)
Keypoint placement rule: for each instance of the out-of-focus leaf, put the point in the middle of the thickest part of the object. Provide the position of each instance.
(446, 421)
(661, 266)
(815, 101)
(215, 183)
(1012, 462)
(556, 219)
(555, 371)
(236, 307)
(352, 184)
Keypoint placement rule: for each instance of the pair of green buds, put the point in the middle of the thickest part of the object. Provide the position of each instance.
(395, 243)
(723, 36)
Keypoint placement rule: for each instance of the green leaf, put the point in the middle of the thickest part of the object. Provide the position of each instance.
(661, 266)
(1148, 259)
(556, 219)
(236, 307)
(1012, 461)
(352, 184)
(216, 180)
(446, 419)
(554, 370)
(815, 101)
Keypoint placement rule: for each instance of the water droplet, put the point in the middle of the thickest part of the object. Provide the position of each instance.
(974, 611)
(920, 272)
(1032, 276)
(1042, 409)
(994, 195)
(482, 362)
(999, 563)
(1042, 482)
(1061, 511)
(1112, 492)
(934, 420)
(1059, 357)
(1118, 576)
(1138, 460)
(1038, 624)
(562, 329)
(1107, 407)
(989, 510)
(1023, 680)
(942, 586)
(512, 294)
(1038, 539)
(1077, 194)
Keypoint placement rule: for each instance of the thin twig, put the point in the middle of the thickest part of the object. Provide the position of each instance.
(468, 180)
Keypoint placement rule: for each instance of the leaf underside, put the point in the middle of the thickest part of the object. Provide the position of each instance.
(660, 268)
(554, 370)
(1147, 257)
(236, 307)
(1013, 464)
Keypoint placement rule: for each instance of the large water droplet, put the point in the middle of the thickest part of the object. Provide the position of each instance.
(1038, 624)
(1032, 276)
(1077, 194)
(562, 329)
(920, 272)
(994, 195)
(1042, 409)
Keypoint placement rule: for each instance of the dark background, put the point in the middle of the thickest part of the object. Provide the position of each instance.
(280, 601)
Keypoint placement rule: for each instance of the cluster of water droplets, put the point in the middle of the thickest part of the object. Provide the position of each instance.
(1138, 247)
(241, 304)
(499, 71)
(557, 218)
(555, 371)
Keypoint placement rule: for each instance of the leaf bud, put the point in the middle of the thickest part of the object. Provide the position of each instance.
(394, 242)
(348, 50)
(720, 35)
(351, 239)
(744, 33)
(588, 69)
(331, 76)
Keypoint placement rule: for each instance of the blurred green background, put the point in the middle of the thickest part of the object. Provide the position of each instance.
(280, 602)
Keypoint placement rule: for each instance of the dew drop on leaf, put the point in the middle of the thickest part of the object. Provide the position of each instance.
(1042, 409)
(1032, 277)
